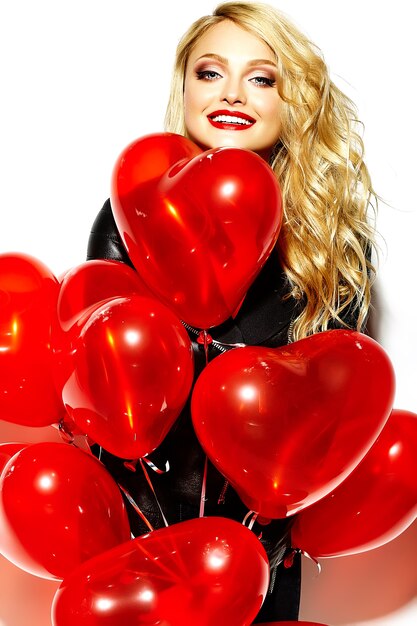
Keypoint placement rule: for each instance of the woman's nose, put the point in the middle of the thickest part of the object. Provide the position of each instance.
(233, 92)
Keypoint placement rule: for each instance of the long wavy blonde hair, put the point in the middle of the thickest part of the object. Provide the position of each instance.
(327, 238)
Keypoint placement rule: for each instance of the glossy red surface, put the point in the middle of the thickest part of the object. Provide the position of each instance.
(28, 296)
(58, 507)
(374, 504)
(129, 375)
(198, 226)
(7, 450)
(85, 287)
(204, 571)
(285, 426)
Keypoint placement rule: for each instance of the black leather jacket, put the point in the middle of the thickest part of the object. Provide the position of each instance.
(263, 319)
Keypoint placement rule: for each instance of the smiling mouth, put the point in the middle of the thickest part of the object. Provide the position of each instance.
(228, 121)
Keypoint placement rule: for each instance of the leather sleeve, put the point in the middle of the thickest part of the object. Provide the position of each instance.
(105, 241)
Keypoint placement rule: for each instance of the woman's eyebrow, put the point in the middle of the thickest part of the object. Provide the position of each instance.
(217, 57)
(262, 62)
(224, 61)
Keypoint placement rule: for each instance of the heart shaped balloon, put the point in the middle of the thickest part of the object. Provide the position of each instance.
(198, 226)
(286, 425)
(90, 284)
(131, 372)
(374, 504)
(59, 506)
(84, 289)
(204, 571)
(28, 296)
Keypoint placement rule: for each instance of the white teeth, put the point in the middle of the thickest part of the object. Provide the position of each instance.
(231, 119)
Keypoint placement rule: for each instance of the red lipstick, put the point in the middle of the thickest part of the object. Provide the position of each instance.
(231, 120)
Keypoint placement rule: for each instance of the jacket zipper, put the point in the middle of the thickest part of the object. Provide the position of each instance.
(291, 332)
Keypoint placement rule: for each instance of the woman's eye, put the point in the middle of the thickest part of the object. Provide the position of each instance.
(207, 75)
(263, 81)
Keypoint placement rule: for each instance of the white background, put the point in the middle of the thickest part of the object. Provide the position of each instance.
(82, 79)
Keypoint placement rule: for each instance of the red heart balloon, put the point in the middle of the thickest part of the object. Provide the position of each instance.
(374, 504)
(28, 296)
(87, 286)
(84, 289)
(204, 571)
(131, 373)
(198, 226)
(285, 426)
(58, 507)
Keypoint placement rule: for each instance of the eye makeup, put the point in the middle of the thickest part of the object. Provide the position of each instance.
(210, 67)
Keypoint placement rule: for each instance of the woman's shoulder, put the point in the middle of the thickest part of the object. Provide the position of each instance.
(104, 221)
(104, 241)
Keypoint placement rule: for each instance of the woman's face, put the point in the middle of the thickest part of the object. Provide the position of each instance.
(230, 96)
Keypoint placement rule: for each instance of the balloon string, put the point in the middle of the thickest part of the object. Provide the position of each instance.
(154, 468)
(127, 494)
(135, 506)
(148, 480)
(205, 340)
(252, 515)
(203, 489)
(131, 465)
(312, 558)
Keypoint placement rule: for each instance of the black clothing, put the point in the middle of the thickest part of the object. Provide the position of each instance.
(263, 319)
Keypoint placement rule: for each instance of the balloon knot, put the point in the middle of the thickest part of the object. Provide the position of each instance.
(289, 559)
(131, 465)
(204, 339)
(65, 432)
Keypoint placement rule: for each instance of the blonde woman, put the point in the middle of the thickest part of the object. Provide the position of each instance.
(246, 77)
